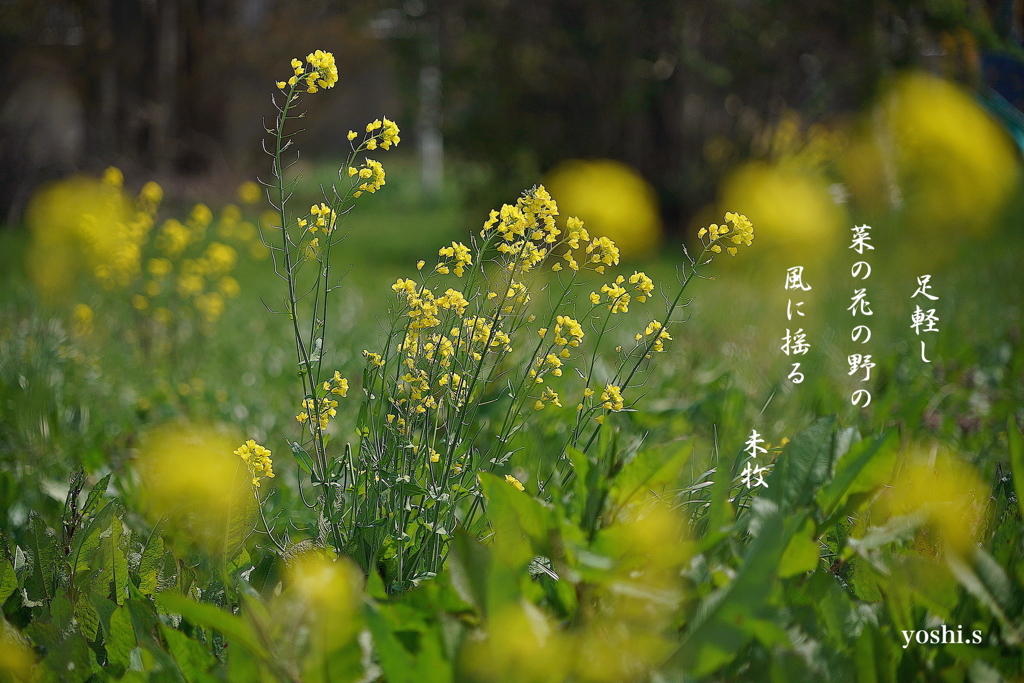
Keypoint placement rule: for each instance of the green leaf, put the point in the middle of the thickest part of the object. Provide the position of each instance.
(8, 579)
(120, 637)
(866, 466)
(118, 561)
(192, 657)
(803, 466)
(302, 457)
(469, 569)
(1016, 444)
(875, 657)
(88, 618)
(87, 541)
(726, 620)
(581, 468)
(73, 661)
(152, 559)
(517, 519)
(422, 661)
(95, 494)
(801, 553)
(982, 576)
(40, 584)
(209, 616)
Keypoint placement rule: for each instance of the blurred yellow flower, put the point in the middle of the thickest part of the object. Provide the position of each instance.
(188, 477)
(613, 199)
(249, 192)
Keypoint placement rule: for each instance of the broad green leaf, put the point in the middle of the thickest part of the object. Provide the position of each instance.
(804, 465)
(95, 495)
(802, 552)
(152, 559)
(87, 540)
(469, 567)
(192, 657)
(208, 616)
(726, 620)
(517, 518)
(875, 657)
(866, 466)
(418, 659)
(88, 618)
(73, 661)
(40, 584)
(119, 562)
(8, 579)
(1016, 443)
(120, 637)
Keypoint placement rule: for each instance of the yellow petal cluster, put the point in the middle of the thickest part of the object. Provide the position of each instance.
(257, 459)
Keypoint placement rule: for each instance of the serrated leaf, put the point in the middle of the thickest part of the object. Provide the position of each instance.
(87, 541)
(88, 618)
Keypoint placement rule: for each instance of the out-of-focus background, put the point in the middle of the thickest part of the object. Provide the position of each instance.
(490, 95)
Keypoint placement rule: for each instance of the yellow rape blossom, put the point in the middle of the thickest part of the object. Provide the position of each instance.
(518, 485)
(257, 459)
(611, 398)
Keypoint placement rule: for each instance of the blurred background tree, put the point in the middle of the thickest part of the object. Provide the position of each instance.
(680, 90)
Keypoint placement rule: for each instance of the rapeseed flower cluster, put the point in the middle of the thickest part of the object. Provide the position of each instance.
(257, 459)
(655, 327)
(737, 228)
(611, 398)
(372, 172)
(320, 71)
(326, 217)
(323, 409)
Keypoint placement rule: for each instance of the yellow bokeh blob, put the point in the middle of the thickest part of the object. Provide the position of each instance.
(792, 208)
(190, 478)
(612, 199)
(74, 224)
(934, 155)
(946, 490)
